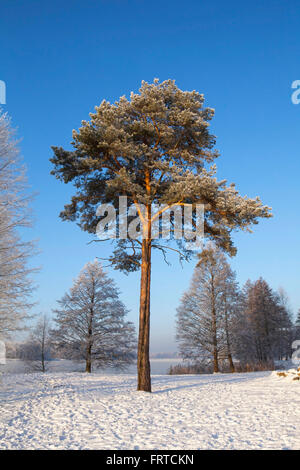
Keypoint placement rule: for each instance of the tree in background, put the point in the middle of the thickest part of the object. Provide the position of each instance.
(153, 149)
(264, 327)
(36, 351)
(230, 310)
(297, 325)
(285, 339)
(206, 310)
(91, 322)
(41, 336)
(15, 283)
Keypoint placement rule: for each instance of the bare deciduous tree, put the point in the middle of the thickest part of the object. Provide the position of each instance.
(204, 314)
(297, 326)
(41, 337)
(36, 350)
(264, 327)
(15, 281)
(91, 322)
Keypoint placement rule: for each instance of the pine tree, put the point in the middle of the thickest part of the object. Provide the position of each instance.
(91, 322)
(153, 149)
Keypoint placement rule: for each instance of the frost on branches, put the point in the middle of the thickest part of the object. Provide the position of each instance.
(91, 322)
(155, 148)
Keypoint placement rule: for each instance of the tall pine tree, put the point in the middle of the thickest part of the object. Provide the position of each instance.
(153, 149)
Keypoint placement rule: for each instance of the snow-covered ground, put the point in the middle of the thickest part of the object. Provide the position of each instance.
(80, 411)
(16, 366)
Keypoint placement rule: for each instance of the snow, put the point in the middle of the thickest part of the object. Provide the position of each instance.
(80, 411)
(289, 375)
(16, 366)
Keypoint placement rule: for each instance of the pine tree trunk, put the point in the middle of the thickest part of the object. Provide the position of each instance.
(143, 362)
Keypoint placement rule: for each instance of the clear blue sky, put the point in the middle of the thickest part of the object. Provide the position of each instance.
(61, 58)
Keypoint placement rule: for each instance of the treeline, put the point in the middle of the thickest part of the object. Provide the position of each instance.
(221, 326)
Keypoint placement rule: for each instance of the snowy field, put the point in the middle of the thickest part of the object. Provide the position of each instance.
(16, 366)
(80, 411)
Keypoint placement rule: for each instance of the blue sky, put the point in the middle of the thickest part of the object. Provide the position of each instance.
(60, 59)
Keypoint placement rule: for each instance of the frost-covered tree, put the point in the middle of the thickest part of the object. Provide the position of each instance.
(15, 273)
(153, 148)
(36, 351)
(91, 324)
(285, 330)
(206, 309)
(230, 310)
(41, 336)
(264, 328)
(297, 324)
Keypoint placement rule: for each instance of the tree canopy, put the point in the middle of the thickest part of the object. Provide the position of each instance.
(155, 147)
